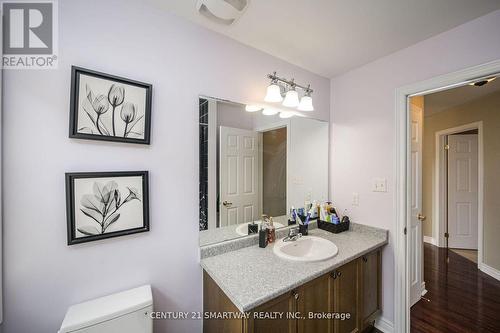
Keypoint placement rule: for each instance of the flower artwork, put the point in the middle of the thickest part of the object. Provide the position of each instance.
(102, 206)
(108, 204)
(105, 107)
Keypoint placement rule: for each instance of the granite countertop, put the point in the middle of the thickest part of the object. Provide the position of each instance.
(252, 276)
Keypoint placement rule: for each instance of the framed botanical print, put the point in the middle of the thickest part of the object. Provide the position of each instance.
(107, 107)
(106, 204)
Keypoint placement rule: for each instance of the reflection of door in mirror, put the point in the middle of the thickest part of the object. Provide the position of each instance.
(274, 172)
(238, 176)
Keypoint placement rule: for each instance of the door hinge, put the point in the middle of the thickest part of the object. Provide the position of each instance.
(404, 230)
(447, 147)
(446, 235)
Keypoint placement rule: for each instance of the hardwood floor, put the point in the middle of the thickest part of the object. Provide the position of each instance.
(460, 298)
(469, 254)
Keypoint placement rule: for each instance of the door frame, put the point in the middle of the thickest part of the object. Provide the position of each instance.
(439, 200)
(402, 183)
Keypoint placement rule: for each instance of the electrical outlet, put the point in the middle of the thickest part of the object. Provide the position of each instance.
(355, 199)
(379, 185)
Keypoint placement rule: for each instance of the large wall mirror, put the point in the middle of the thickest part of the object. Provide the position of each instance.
(253, 164)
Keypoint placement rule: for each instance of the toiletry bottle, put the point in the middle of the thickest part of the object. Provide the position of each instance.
(262, 235)
(271, 231)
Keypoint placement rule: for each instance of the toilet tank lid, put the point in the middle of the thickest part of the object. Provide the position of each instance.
(105, 308)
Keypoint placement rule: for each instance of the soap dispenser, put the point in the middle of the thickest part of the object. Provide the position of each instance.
(262, 235)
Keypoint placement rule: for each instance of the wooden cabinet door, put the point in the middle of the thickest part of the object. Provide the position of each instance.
(370, 287)
(284, 304)
(214, 300)
(346, 297)
(315, 298)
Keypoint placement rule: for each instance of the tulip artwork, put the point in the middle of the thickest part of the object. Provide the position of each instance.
(105, 107)
(106, 204)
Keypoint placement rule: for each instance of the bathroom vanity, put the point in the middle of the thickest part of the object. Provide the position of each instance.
(278, 295)
(254, 165)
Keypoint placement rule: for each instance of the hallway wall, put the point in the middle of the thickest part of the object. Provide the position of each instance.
(486, 109)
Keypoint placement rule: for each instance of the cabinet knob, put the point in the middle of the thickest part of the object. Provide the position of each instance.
(339, 274)
(365, 259)
(295, 294)
(333, 274)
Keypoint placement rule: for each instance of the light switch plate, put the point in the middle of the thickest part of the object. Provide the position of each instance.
(355, 199)
(379, 185)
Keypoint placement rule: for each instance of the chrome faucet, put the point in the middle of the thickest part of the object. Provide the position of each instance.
(293, 235)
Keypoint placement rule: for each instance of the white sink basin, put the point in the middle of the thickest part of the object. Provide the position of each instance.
(242, 229)
(306, 248)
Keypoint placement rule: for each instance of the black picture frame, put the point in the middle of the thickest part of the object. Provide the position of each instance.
(74, 132)
(71, 203)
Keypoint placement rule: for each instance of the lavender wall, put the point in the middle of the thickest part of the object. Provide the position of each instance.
(362, 114)
(43, 276)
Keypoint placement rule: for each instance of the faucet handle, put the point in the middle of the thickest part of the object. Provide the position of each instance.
(294, 231)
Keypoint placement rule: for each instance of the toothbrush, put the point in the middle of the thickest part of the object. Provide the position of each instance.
(297, 216)
(309, 214)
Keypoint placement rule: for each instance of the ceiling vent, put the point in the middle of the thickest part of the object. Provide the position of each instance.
(224, 12)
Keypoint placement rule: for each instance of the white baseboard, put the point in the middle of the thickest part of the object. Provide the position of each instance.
(424, 291)
(384, 325)
(495, 273)
(430, 240)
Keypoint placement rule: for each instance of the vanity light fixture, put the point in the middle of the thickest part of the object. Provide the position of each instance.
(252, 108)
(280, 87)
(291, 97)
(273, 94)
(269, 112)
(306, 102)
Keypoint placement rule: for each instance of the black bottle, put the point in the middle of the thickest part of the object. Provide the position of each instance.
(262, 236)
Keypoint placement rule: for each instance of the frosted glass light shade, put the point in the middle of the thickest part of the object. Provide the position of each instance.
(286, 114)
(291, 99)
(273, 94)
(252, 108)
(269, 112)
(306, 104)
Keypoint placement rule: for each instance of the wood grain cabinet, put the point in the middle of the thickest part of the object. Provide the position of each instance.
(346, 297)
(353, 289)
(371, 280)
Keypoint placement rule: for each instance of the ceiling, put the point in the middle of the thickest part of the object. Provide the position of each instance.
(330, 37)
(446, 99)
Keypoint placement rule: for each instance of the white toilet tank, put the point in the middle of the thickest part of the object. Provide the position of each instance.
(124, 312)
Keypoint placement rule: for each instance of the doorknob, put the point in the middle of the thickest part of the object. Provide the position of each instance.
(227, 203)
(421, 217)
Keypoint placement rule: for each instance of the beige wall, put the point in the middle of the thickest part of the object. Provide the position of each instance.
(486, 109)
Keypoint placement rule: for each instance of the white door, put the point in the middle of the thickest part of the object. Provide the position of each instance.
(415, 241)
(462, 191)
(238, 176)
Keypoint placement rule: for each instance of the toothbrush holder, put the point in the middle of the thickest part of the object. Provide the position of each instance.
(303, 229)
